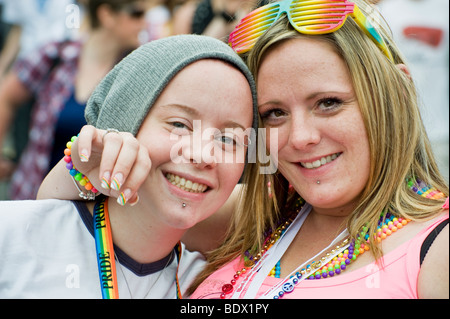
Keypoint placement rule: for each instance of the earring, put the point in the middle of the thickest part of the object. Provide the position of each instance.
(291, 189)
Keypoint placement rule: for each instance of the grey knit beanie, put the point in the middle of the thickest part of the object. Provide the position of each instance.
(124, 97)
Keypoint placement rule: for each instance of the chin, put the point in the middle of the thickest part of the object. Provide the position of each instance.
(182, 218)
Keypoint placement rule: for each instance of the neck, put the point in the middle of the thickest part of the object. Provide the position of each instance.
(327, 222)
(101, 48)
(140, 234)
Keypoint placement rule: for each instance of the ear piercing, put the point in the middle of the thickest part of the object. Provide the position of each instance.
(269, 189)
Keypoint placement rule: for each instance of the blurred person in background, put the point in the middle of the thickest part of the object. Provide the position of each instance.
(421, 30)
(60, 77)
(168, 17)
(215, 18)
(26, 25)
(33, 23)
(158, 19)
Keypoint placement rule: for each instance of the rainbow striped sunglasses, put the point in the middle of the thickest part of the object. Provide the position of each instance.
(306, 16)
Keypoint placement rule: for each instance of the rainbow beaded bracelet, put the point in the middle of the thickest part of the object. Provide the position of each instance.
(77, 176)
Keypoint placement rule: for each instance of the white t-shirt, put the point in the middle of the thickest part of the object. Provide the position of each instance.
(47, 250)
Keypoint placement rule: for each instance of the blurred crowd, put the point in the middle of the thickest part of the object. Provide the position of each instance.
(55, 52)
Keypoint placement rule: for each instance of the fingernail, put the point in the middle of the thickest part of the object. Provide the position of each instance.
(105, 180)
(123, 197)
(117, 181)
(134, 202)
(84, 158)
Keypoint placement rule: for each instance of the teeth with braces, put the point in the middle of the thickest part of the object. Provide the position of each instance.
(185, 184)
(322, 161)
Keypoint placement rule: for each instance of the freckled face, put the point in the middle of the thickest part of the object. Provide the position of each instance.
(305, 91)
(206, 99)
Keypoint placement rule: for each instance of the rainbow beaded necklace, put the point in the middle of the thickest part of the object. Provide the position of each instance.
(271, 237)
(387, 225)
(317, 270)
(340, 259)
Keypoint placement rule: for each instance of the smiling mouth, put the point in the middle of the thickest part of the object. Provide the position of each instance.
(186, 184)
(321, 162)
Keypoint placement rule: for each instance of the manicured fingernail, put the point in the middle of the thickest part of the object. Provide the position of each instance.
(84, 158)
(105, 180)
(135, 201)
(117, 181)
(123, 197)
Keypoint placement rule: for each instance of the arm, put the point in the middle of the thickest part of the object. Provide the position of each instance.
(12, 95)
(116, 153)
(10, 49)
(433, 280)
(119, 153)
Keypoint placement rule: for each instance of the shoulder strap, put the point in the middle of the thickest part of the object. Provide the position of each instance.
(430, 239)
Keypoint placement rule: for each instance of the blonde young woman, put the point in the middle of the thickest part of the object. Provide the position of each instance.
(353, 159)
(351, 144)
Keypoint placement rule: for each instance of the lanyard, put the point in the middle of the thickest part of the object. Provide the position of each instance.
(105, 253)
(288, 283)
(178, 251)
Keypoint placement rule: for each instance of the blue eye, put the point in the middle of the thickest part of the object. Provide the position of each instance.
(229, 142)
(179, 125)
(226, 139)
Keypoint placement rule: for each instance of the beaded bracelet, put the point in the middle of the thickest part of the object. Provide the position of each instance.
(78, 176)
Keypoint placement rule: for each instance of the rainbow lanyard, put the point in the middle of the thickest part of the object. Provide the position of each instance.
(105, 253)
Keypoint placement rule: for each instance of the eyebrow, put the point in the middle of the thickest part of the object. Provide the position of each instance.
(232, 124)
(183, 108)
(194, 112)
(312, 96)
(274, 102)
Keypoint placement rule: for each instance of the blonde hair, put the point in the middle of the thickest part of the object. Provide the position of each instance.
(399, 146)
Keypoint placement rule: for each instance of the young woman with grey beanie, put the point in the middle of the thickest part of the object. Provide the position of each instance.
(159, 93)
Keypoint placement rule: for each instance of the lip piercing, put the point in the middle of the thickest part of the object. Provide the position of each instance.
(318, 182)
(183, 205)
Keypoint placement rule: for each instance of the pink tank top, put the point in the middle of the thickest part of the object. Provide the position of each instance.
(397, 280)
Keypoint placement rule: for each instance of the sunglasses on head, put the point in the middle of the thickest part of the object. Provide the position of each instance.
(307, 17)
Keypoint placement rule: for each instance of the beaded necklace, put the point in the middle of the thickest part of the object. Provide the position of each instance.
(424, 190)
(336, 261)
(386, 226)
(316, 270)
(271, 238)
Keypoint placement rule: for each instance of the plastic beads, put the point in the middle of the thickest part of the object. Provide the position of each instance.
(78, 176)
(424, 190)
(272, 237)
